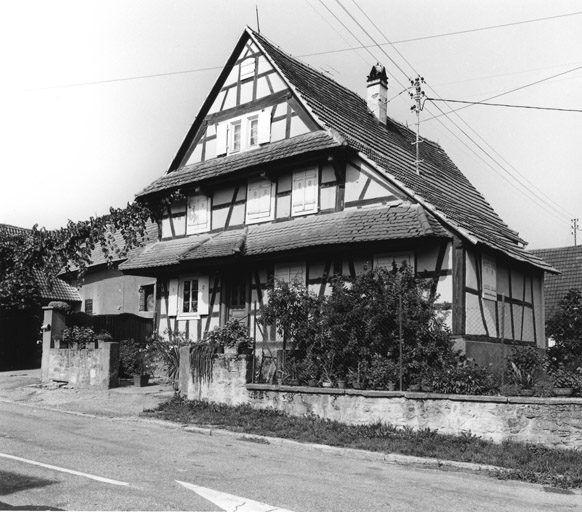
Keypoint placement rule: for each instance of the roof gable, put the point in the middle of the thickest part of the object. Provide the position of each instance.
(249, 87)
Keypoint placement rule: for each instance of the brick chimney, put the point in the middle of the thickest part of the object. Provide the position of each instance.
(377, 97)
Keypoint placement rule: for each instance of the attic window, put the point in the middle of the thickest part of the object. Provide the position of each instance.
(244, 132)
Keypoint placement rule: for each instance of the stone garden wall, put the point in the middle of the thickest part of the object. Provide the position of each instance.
(554, 422)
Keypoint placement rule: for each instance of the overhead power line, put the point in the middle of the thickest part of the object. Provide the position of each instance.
(535, 193)
(505, 105)
(446, 34)
(512, 90)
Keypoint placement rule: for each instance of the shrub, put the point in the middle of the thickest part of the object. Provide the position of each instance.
(465, 379)
(135, 358)
(233, 334)
(382, 373)
(78, 337)
(525, 366)
(166, 351)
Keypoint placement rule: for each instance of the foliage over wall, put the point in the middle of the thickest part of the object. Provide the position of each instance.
(26, 254)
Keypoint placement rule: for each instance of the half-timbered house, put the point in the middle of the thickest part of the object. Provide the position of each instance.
(286, 173)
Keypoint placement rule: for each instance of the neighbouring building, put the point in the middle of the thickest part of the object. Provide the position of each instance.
(105, 290)
(286, 173)
(568, 260)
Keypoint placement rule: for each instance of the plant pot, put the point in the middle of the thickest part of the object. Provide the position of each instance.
(563, 391)
(141, 380)
(312, 383)
(526, 392)
(391, 386)
(341, 384)
(414, 388)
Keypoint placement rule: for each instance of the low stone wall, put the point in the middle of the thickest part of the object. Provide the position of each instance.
(85, 368)
(554, 422)
(229, 379)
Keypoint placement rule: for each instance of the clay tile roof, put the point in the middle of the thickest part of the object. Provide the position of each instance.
(164, 253)
(440, 184)
(568, 260)
(301, 144)
(349, 226)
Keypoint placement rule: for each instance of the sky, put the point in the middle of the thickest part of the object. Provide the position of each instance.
(97, 96)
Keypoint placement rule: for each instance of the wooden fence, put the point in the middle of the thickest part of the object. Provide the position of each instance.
(121, 327)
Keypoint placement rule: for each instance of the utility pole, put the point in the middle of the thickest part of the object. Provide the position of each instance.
(418, 97)
(575, 228)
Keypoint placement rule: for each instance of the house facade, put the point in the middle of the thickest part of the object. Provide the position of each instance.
(287, 174)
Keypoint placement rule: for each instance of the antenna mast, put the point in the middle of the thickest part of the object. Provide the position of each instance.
(257, 11)
(418, 97)
(575, 228)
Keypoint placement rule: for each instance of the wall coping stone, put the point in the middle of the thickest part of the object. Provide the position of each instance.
(415, 395)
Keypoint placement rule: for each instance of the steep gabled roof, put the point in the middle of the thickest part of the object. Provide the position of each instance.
(568, 260)
(394, 222)
(440, 186)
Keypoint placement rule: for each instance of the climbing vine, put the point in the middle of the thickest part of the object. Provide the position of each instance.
(27, 255)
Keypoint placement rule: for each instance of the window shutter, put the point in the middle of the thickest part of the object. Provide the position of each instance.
(282, 273)
(173, 297)
(203, 295)
(198, 213)
(489, 271)
(310, 191)
(265, 126)
(298, 191)
(259, 199)
(221, 138)
(142, 299)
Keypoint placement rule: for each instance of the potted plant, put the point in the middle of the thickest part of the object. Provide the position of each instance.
(563, 380)
(523, 379)
(383, 373)
(136, 360)
(233, 337)
(358, 378)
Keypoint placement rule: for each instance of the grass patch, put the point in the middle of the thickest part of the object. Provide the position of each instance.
(526, 462)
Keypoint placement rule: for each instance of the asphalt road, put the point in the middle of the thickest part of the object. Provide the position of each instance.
(137, 465)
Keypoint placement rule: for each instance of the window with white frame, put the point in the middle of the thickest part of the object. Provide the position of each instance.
(398, 259)
(235, 133)
(192, 296)
(198, 214)
(253, 131)
(289, 273)
(489, 272)
(260, 201)
(244, 132)
(304, 197)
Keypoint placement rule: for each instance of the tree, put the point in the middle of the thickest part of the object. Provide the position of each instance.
(566, 323)
(27, 254)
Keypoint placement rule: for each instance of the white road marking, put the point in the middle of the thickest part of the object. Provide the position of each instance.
(230, 503)
(64, 470)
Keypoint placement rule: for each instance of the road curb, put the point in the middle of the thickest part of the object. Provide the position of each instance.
(276, 441)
